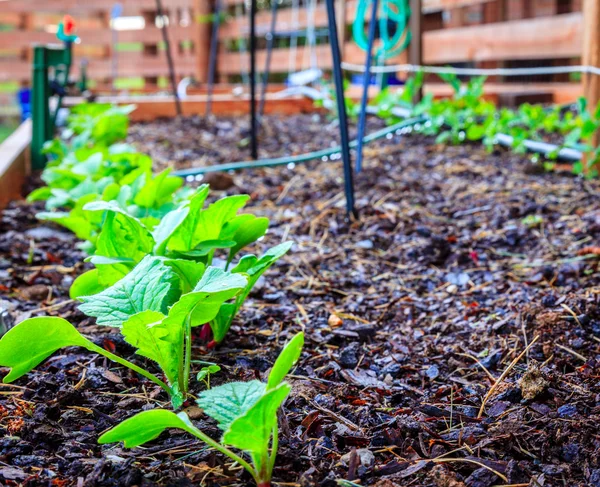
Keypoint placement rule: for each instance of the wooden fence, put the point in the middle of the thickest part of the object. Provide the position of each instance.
(138, 52)
(483, 33)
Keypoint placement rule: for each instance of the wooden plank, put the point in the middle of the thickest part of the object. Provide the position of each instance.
(428, 5)
(231, 63)
(130, 65)
(79, 8)
(152, 107)
(92, 37)
(14, 163)
(543, 38)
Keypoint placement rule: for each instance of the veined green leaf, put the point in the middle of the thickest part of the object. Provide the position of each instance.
(158, 190)
(181, 239)
(146, 426)
(122, 235)
(202, 225)
(86, 284)
(167, 226)
(156, 340)
(189, 272)
(252, 431)
(286, 360)
(203, 303)
(150, 286)
(33, 340)
(244, 230)
(228, 402)
(254, 268)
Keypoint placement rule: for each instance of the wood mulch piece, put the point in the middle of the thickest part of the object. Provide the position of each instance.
(459, 262)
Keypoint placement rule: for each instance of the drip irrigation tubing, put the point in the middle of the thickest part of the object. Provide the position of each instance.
(544, 148)
(324, 154)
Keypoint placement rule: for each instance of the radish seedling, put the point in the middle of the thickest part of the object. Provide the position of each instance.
(246, 412)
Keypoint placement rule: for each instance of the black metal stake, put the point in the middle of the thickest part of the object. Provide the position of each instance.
(341, 106)
(212, 62)
(362, 121)
(270, 44)
(253, 120)
(165, 36)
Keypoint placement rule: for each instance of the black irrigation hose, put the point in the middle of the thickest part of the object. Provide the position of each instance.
(570, 154)
(324, 154)
(567, 154)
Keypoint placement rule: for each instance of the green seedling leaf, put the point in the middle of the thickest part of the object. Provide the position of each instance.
(244, 230)
(188, 271)
(253, 268)
(145, 427)
(204, 302)
(150, 286)
(122, 235)
(149, 332)
(158, 190)
(167, 226)
(252, 431)
(228, 402)
(286, 360)
(34, 340)
(182, 237)
(207, 371)
(86, 284)
(202, 225)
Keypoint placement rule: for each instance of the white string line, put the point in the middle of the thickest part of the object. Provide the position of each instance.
(359, 68)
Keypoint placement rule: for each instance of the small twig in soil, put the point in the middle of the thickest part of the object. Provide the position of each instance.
(572, 352)
(503, 376)
(468, 460)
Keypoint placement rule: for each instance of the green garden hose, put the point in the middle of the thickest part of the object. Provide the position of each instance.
(396, 11)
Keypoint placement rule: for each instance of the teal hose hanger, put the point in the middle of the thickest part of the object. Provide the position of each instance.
(393, 12)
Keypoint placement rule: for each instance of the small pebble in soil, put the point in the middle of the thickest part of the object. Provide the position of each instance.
(567, 411)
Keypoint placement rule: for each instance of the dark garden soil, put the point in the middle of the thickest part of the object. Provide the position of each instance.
(467, 276)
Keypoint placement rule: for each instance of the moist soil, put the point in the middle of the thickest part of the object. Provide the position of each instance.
(468, 278)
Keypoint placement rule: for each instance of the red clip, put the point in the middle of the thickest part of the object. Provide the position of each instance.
(69, 25)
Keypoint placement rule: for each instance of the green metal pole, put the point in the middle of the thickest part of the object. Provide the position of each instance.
(40, 111)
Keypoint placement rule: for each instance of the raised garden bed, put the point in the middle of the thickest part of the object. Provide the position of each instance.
(459, 261)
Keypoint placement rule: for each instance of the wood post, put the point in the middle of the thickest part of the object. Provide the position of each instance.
(203, 10)
(591, 57)
(341, 16)
(415, 49)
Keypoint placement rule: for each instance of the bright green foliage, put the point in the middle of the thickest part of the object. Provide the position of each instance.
(146, 427)
(151, 286)
(188, 237)
(89, 164)
(151, 313)
(253, 267)
(245, 411)
(33, 341)
(467, 116)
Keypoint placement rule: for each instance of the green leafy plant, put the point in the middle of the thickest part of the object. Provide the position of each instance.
(246, 412)
(188, 236)
(467, 116)
(152, 314)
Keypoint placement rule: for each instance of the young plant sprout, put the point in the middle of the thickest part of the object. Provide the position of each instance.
(246, 412)
(151, 313)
